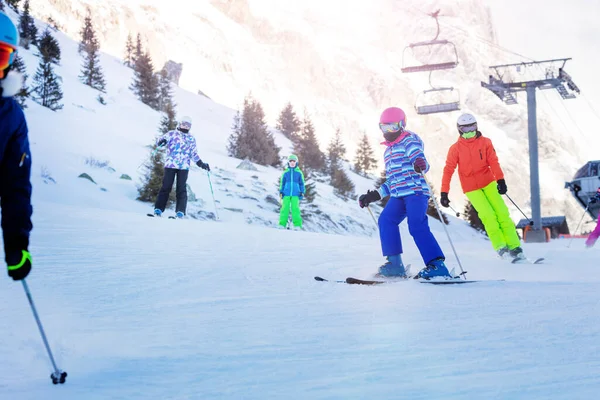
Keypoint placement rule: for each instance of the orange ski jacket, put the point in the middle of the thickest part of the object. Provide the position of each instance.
(477, 163)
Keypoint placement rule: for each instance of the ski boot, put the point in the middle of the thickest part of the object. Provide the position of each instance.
(503, 252)
(436, 268)
(179, 215)
(517, 254)
(394, 268)
(158, 213)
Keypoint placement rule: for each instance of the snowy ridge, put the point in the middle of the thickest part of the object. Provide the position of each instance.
(342, 62)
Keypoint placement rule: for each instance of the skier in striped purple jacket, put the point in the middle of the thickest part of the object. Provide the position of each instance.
(405, 165)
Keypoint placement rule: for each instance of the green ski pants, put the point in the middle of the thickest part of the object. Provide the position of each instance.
(292, 202)
(494, 214)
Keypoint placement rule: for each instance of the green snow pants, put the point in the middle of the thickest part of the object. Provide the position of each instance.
(494, 214)
(292, 202)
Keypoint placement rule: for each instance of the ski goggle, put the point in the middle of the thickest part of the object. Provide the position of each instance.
(467, 128)
(185, 125)
(391, 127)
(6, 55)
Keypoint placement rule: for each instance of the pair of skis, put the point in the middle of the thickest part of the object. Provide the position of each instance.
(153, 215)
(356, 281)
(438, 281)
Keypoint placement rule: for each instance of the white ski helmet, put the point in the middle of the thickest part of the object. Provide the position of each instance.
(466, 123)
(185, 124)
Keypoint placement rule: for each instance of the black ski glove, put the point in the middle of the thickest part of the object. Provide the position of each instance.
(162, 142)
(444, 201)
(203, 165)
(18, 258)
(368, 198)
(502, 186)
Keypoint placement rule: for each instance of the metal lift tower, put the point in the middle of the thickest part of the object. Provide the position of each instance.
(554, 79)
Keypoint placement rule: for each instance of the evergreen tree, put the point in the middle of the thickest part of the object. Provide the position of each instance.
(14, 4)
(139, 49)
(87, 32)
(145, 82)
(342, 184)
(364, 160)
(49, 48)
(153, 176)
(432, 211)
(310, 187)
(251, 137)
(91, 71)
(23, 93)
(129, 52)
(288, 123)
(27, 29)
(335, 153)
(165, 90)
(1, 6)
(471, 216)
(307, 147)
(46, 87)
(168, 121)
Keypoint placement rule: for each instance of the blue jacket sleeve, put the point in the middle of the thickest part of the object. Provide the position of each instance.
(414, 150)
(282, 181)
(15, 185)
(302, 188)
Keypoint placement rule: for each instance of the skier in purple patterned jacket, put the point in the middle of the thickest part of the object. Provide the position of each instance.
(405, 165)
(181, 151)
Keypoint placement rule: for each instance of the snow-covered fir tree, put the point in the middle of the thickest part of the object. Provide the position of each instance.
(288, 123)
(87, 31)
(129, 52)
(91, 71)
(23, 94)
(168, 121)
(45, 88)
(364, 161)
(14, 4)
(49, 48)
(165, 90)
(335, 152)
(27, 29)
(307, 147)
(151, 182)
(145, 82)
(251, 138)
(139, 48)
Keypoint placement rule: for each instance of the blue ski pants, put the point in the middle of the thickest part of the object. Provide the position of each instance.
(413, 207)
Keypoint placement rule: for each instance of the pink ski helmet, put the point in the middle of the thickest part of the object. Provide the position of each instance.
(392, 123)
(391, 115)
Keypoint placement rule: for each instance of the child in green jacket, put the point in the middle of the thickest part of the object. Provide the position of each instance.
(291, 191)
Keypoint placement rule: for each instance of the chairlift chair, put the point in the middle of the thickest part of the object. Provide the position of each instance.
(434, 43)
(444, 106)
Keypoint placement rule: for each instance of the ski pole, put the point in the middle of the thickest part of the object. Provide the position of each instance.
(373, 216)
(213, 195)
(151, 156)
(515, 204)
(437, 207)
(57, 376)
(452, 208)
(577, 229)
